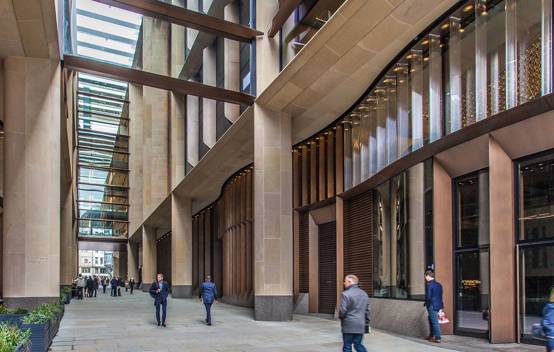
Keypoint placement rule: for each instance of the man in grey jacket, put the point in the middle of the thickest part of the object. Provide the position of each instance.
(354, 314)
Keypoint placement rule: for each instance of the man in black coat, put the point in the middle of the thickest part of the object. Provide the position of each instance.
(159, 291)
(90, 286)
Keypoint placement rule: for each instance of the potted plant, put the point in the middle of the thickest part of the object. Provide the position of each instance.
(38, 322)
(14, 339)
(56, 312)
(12, 316)
(65, 295)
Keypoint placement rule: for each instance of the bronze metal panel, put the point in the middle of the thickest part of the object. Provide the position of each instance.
(339, 209)
(296, 181)
(502, 245)
(187, 18)
(305, 176)
(330, 151)
(313, 173)
(339, 158)
(322, 172)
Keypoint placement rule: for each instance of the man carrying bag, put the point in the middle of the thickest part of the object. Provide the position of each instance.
(159, 291)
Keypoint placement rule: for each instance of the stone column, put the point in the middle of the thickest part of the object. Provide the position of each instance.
(502, 244)
(32, 124)
(136, 152)
(68, 240)
(231, 52)
(132, 261)
(273, 276)
(177, 104)
(192, 130)
(156, 115)
(209, 113)
(442, 234)
(181, 246)
(148, 257)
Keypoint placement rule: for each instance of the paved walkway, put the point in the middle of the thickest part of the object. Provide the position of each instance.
(127, 324)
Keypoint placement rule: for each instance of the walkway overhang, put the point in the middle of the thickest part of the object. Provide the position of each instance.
(348, 53)
(154, 80)
(286, 7)
(187, 18)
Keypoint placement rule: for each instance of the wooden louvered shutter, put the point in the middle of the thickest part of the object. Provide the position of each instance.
(327, 267)
(358, 239)
(304, 253)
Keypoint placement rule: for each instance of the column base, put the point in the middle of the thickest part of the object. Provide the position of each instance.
(181, 291)
(28, 302)
(146, 286)
(273, 308)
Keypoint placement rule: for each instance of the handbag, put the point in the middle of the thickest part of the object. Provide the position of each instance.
(442, 317)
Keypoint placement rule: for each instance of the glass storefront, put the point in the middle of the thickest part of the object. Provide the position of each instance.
(471, 197)
(535, 228)
(401, 239)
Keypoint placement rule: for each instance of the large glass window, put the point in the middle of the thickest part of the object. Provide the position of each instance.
(400, 235)
(472, 253)
(484, 57)
(535, 228)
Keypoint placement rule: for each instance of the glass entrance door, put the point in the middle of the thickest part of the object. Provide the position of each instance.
(471, 193)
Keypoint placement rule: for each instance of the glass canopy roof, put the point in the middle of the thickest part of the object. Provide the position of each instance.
(103, 158)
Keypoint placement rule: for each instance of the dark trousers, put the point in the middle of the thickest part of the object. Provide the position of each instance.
(434, 328)
(549, 344)
(164, 310)
(353, 339)
(114, 291)
(132, 287)
(104, 288)
(79, 292)
(94, 291)
(208, 312)
(119, 291)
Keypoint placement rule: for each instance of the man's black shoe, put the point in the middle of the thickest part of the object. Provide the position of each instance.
(209, 324)
(158, 323)
(163, 324)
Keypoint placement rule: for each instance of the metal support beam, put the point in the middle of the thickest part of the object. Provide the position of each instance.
(187, 18)
(154, 80)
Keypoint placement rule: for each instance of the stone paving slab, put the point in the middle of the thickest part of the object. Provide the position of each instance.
(127, 323)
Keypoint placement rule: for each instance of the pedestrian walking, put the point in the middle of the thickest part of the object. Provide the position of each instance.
(119, 284)
(81, 283)
(434, 305)
(104, 284)
(113, 286)
(208, 295)
(159, 291)
(354, 315)
(96, 284)
(90, 286)
(126, 285)
(132, 285)
(548, 321)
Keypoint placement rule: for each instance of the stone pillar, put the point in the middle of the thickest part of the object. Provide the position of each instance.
(136, 152)
(231, 64)
(192, 130)
(181, 247)
(156, 115)
(209, 113)
(132, 261)
(32, 124)
(177, 105)
(68, 240)
(442, 233)
(148, 257)
(116, 263)
(273, 276)
(502, 244)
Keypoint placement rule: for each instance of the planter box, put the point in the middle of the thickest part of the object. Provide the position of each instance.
(14, 319)
(54, 327)
(40, 336)
(23, 348)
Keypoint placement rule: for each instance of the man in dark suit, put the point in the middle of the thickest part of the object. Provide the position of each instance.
(159, 291)
(434, 304)
(208, 295)
(113, 286)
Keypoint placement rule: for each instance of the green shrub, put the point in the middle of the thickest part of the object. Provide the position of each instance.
(4, 310)
(42, 314)
(19, 311)
(11, 337)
